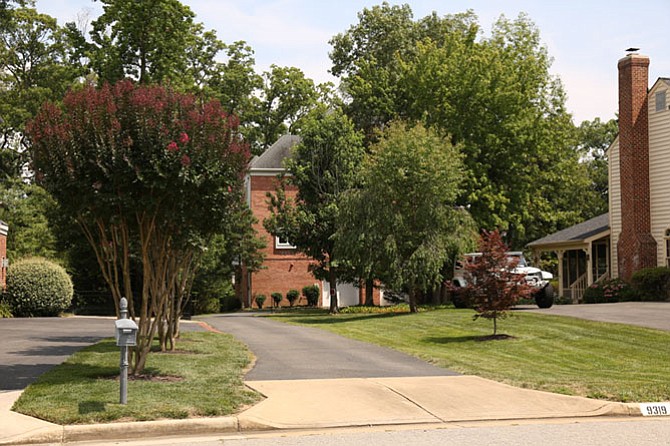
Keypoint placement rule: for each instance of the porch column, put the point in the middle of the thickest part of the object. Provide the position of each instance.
(589, 266)
(559, 254)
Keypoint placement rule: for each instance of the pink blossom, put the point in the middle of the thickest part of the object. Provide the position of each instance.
(183, 138)
(172, 147)
(185, 160)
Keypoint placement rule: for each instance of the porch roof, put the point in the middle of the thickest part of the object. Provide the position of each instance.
(592, 229)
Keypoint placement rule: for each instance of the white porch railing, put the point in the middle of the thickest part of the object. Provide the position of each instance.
(578, 287)
(605, 275)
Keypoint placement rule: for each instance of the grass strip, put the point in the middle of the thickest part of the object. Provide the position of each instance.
(557, 354)
(203, 377)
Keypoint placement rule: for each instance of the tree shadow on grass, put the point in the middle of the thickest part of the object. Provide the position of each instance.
(19, 376)
(86, 407)
(462, 339)
(451, 339)
(337, 319)
(74, 344)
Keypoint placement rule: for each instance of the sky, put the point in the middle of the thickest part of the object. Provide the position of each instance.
(585, 38)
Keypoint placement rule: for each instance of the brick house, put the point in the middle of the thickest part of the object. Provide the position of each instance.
(284, 267)
(635, 234)
(3, 254)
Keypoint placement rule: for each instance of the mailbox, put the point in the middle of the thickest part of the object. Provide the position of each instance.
(126, 332)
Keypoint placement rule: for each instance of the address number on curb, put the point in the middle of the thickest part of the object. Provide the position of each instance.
(655, 409)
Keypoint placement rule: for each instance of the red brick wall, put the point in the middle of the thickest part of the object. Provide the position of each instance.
(3, 256)
(286, 268)
(636, 247)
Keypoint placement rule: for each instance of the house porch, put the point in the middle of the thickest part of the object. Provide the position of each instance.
(583, 253)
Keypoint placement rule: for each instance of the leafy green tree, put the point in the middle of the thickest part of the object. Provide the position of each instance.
(369, 55)
(285, 96)
(155, 174)
(236, 244)
(236, 81)
(594, 137)
(34, 67)
(366, 59)
(26, 209)
(497, 98)
(492, 96)
(402, 225)
(148, 41)
(322, 168)
(202, 49)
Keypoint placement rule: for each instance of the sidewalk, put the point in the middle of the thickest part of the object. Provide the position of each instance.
(317, 404)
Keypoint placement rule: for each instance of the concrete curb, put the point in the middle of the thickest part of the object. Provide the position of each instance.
(222, 425)
(127, 430)
(340, 403)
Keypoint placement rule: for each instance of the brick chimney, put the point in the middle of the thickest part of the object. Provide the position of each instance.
(636, 248)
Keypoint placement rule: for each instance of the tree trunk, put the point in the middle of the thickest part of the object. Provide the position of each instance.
(435, 296)
(444, 293)
(332, 281)
(412, 300)
(369, 292)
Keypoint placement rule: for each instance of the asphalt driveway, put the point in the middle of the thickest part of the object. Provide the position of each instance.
(289, 352)
(645, 314)
(31, 346)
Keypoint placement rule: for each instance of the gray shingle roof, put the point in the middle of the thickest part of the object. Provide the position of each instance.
(274, 156)
(576, 233)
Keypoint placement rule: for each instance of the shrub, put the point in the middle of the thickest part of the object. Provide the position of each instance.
(206, 304)
(277, 298)
(292, 296)
(260, 300)
(230, 303)
(311, 293)
(5, 311)
(613, 290)
(652, 284)
(38, 287)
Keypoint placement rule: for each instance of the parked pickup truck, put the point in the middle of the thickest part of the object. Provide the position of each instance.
(543, 290)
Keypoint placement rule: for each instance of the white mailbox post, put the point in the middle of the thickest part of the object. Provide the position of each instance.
(126, 336)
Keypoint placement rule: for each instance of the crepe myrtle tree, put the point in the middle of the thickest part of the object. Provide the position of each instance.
(148, 174)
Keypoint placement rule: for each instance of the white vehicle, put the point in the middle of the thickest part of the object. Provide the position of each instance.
(543, 290)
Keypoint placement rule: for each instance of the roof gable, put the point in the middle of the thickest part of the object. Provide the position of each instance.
(273, 157)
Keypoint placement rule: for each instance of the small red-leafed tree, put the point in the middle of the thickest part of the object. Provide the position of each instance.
(150, 175)
(492, 285)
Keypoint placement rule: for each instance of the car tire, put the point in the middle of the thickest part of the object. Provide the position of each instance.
(545, 297)
(457, 299)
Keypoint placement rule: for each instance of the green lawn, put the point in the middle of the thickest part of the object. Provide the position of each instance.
(206, 380)
(557, 354)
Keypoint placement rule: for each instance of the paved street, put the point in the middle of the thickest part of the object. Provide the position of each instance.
(286, 352)
(555, 433)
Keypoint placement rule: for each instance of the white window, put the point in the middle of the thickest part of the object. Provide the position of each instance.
(283, 243)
